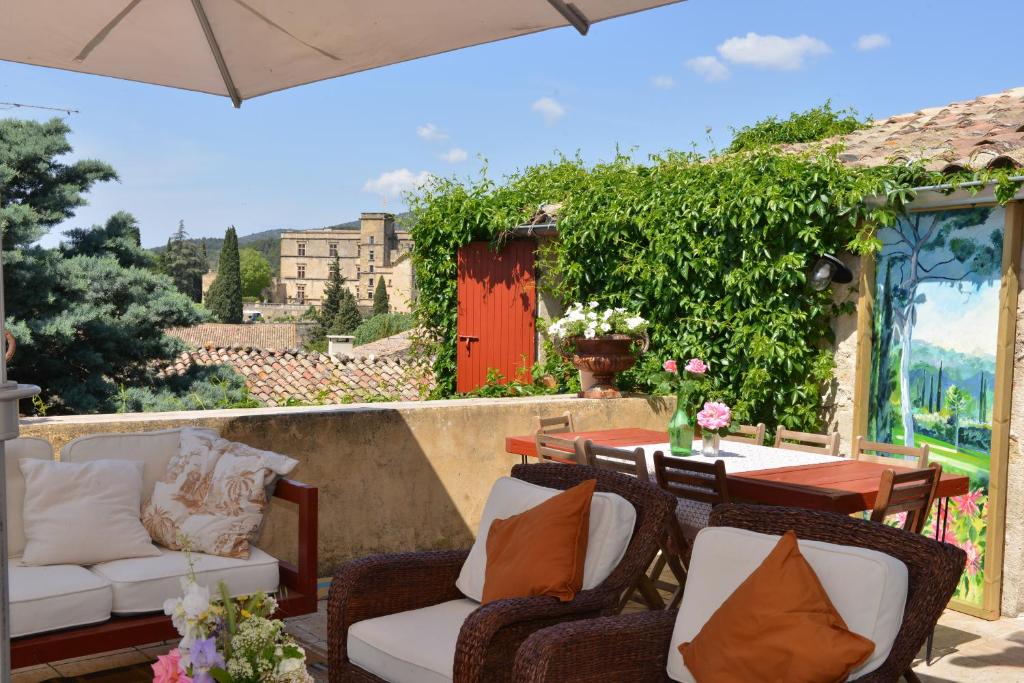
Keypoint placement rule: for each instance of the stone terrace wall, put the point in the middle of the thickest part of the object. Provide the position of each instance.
(392, 477)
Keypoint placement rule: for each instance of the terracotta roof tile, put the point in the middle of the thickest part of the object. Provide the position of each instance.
(275, 377)
(986, 132)
(273, 336)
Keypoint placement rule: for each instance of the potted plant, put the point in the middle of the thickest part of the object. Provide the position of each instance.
(601, 342)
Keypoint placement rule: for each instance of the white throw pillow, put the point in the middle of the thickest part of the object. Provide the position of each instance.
(612, 518)
(83, 513)
(868, 588)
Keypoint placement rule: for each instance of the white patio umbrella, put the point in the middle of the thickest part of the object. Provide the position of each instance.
(246, 48)
(242, 49)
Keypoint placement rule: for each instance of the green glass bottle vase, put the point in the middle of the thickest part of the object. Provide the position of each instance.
(680, 430)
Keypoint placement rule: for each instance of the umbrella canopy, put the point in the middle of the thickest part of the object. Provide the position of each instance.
(246, 48)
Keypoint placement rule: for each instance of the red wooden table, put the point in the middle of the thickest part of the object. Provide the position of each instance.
(845, 486)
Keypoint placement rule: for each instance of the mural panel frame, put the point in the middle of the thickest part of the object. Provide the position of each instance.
(1009, 289)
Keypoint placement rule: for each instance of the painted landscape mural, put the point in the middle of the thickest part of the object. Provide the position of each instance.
(933, 356)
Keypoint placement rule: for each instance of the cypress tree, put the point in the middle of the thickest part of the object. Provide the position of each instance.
(225, 297)
(348, 317)
(332, 300)
(938, 394)
(381, 303)
(184, 263)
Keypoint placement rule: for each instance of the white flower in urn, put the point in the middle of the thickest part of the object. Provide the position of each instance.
(590, 321)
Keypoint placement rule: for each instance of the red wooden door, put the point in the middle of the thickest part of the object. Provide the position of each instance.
(497, 312)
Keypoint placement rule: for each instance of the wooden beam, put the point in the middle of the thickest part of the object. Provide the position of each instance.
(865, 328)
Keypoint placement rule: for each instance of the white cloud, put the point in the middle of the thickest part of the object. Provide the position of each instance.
(431, 133)
(709, 68)
(454, 155)
(550, 109)
(772, 52)
(395, 183)
(663, 82)
(872, 41)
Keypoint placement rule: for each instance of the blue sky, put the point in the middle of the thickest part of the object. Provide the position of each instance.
(322, 153)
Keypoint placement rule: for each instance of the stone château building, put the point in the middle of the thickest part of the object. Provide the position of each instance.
(374, 252)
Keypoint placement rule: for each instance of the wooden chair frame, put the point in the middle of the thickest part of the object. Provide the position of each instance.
(911, 492)
(920, 453)
(556, 449)
(687, 480)
(808, 442)
(553, 424)
(296, 595)
(748, 434)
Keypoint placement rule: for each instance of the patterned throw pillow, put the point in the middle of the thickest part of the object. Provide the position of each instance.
(214, 494)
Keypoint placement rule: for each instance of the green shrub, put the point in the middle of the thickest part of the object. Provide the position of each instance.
(383, 325)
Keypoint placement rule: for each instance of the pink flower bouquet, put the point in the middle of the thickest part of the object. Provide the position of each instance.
(715, 417)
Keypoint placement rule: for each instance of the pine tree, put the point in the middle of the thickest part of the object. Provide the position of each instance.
(185, 263)
(332, 300)
(225, 296)
(381, 303)
(349, 317)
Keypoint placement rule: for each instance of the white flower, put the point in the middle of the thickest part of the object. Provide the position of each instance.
(592, 315)
(593, 304)
(620, 310)
(196, 601)
(605, 327)
(633, 323)
(607, 313)
(590, 333)
(555, 328)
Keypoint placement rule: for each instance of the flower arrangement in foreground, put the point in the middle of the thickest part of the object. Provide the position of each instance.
(686, 384)
(590, 322)
(227, 640)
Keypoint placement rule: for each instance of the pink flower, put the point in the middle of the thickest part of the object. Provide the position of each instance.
(669, 366)
(715, 416)
(167, 669)
(696, 366)
(967, 504)
(973, 557)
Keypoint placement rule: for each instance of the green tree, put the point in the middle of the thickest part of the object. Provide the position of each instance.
(349, 317)
(225, 296)
(957, 402)
(331, 303)
(381, 303)
(185, 263)
(255, 271)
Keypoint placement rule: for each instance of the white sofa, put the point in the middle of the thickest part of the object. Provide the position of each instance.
(59, 597)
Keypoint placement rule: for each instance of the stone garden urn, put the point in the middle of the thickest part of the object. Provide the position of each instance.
(604, 356)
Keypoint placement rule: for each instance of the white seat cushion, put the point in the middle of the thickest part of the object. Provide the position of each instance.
(612, 518)
(867, 588)
(55, 597)
(142, 584)
(417, 646)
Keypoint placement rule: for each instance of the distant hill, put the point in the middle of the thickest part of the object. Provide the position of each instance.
(267, 242)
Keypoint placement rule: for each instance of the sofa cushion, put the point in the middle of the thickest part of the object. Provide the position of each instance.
(612, 519)
(55, 597)
(867, 588)
(154, 449)
(20, 449)
(83, 513)
(142, 584)
(417, 646)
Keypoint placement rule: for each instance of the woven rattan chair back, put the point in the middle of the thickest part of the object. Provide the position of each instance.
(748, 434)
(891, 454)
(808, 442)
(907, 492)
(556, 449)
(555, 424)
(933, 568)
(632, 462)
(653, 509)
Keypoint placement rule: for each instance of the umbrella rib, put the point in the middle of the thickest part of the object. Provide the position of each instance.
(267, 20)
(573, 14)
(211, 40)
(105, 31)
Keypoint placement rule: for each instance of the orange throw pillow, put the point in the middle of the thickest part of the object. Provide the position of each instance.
(779, 625)
(540, 551)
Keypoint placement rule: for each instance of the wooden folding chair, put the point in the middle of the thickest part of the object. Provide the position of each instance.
(557, 449)
(699, 487)
(808, 442)
(634, 463)
(891, 454)
(553, 424)
(748, 434)
(910, 492)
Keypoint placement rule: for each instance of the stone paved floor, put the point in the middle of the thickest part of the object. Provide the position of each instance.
(967, 650)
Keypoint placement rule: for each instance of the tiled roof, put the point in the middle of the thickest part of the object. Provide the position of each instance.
(395, 345)
(986, 132)
(271, 336)
(275, 377)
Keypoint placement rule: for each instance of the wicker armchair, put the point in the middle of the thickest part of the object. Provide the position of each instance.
(634, 647)
(489, 638)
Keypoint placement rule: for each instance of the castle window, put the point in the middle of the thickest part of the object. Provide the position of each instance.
(332, 249)
(300, 293)
(301, 248)
(300, 271)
